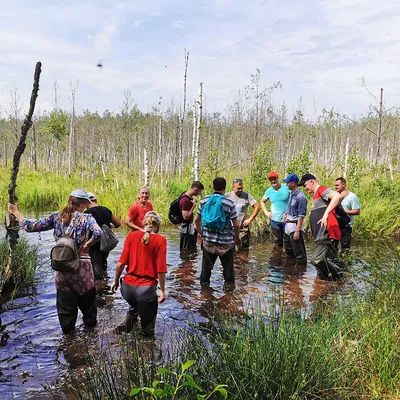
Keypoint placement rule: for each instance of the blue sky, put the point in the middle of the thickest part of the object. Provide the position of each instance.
(319, 50)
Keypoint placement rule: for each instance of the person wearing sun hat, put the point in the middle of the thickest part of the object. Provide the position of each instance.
(294, 218)
(278, 195)
(74, 289)
(103, 216)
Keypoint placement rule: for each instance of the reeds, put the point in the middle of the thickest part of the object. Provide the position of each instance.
(344, 349)
(26, 259)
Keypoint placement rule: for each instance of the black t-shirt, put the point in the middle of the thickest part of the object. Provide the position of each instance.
(102, 215)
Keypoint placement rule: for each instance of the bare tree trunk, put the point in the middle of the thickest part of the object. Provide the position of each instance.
(182, 119)
(34, 148)
(146, 176)
(198, 129)
(194, 137)
(71, 128)
(346, 157)
(12, 228)
(378, 151)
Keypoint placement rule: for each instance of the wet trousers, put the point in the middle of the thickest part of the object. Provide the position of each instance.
(345, 240)
(143, 302)
(99, 262)
(67, 308)
(324, 257)
(188, 241)
(295, 248)
(208, 262)
(278, 230)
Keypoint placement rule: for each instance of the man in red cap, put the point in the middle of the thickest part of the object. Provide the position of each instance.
(278, 195)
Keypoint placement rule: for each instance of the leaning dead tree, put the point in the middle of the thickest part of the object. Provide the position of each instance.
(12, 227)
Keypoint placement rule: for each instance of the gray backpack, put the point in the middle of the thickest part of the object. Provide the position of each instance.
(64, 255)
(108, 240)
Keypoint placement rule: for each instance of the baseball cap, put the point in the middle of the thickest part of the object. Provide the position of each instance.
(80, 194)
(92, 196)
(291, 178)
(272, 175)
(306, 178)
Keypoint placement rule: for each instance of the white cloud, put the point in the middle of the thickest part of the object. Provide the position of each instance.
(102, 42)
(320, 49)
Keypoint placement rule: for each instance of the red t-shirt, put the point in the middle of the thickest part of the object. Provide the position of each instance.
(145, 261)
(136, 212)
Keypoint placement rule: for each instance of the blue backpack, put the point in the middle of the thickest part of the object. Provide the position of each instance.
(213, 215)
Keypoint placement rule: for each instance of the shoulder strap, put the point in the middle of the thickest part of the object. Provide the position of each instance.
(320, 195)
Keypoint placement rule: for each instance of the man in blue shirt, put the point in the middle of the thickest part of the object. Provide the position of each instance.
(294, 218)
(278, 195)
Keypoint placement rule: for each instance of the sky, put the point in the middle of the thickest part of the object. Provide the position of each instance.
(319, 50)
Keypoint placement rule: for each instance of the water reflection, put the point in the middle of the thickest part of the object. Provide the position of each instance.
(34, 351)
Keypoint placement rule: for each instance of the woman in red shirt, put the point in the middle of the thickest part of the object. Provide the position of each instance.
(139, 209)
(146, 262)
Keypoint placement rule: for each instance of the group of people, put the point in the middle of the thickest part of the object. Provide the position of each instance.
(220, 223)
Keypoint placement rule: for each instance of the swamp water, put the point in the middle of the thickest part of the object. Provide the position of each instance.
(34, 352)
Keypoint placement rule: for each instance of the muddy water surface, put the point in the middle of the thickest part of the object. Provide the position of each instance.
(34, 352)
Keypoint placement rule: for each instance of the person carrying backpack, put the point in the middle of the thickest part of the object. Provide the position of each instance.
(103, 216)
(75, 289)
(325, 228)
(218, 230)
(184, 213)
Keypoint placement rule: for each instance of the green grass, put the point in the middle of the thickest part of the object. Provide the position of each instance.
(347, 348)
(26, 259)
(380, 215)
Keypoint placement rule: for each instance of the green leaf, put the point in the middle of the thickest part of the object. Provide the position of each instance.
(221, 389)
(189, 381)
(187, 365)
(135, 391)
(160, 393)
(163, 371)
(155, 383)
(200, 397)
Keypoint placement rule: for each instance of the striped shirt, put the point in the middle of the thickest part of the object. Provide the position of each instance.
(224, 236)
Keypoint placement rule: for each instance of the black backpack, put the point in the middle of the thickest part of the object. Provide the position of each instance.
(175, 212)
(341, 215)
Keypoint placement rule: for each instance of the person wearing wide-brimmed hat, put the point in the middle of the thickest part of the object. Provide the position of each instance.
(145, 257)
(74, 289)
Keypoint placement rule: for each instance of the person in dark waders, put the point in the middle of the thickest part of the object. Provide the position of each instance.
(74, 289)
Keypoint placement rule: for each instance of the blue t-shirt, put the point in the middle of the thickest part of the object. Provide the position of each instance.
(351, 202)
(279, 201)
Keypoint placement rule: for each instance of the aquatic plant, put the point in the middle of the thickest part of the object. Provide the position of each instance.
(346, 348)
(26, 258)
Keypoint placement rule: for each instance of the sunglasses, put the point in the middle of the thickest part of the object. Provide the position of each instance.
(238, 180)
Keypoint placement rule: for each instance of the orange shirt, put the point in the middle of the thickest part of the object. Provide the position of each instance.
(136, 212)
(144, 261)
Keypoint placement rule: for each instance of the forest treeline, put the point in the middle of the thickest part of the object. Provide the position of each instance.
(250, 138)
(252, 131)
